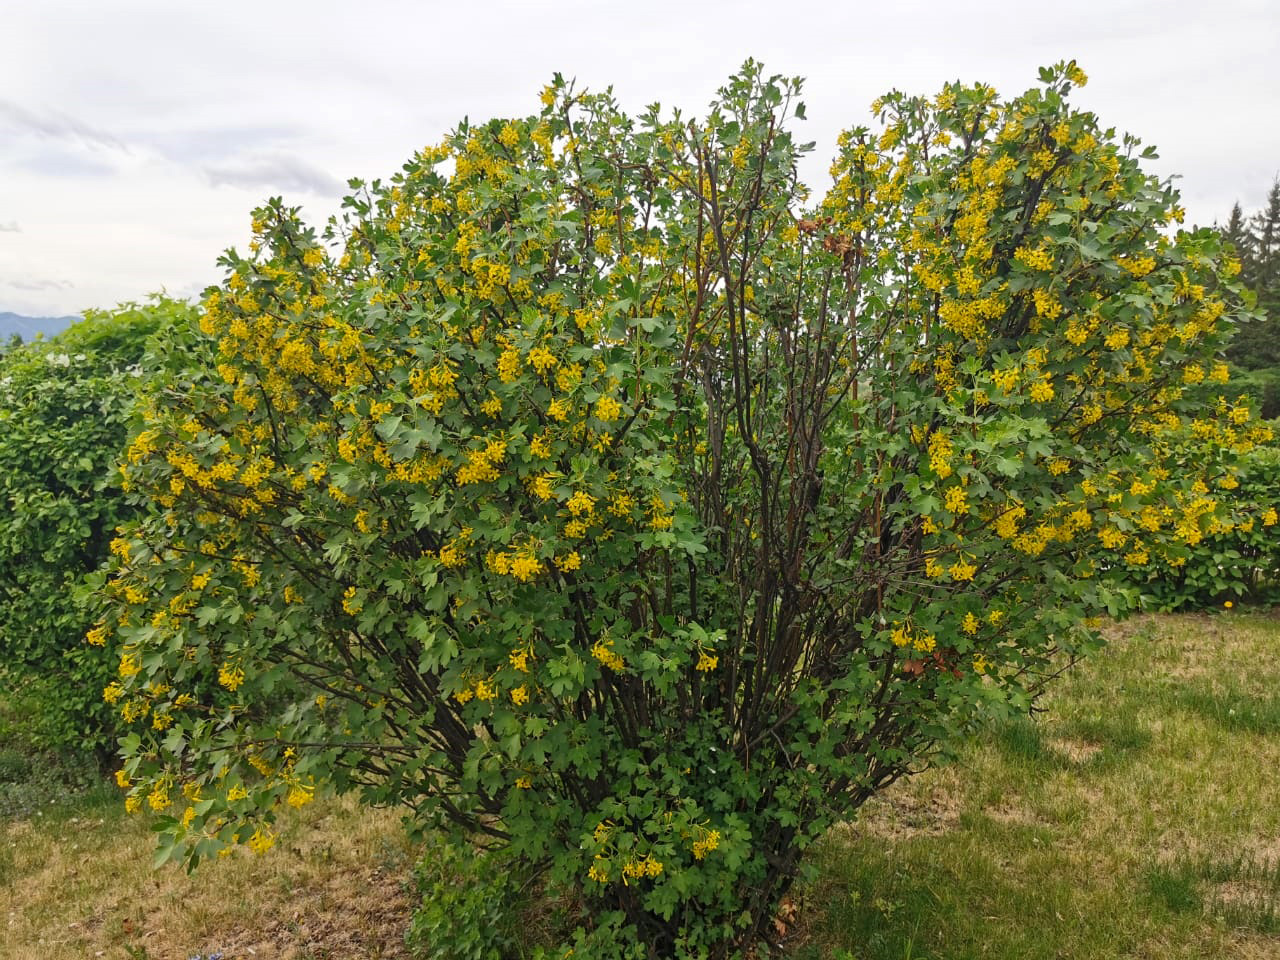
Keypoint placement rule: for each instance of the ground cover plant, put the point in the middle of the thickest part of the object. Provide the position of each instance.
(589, 490)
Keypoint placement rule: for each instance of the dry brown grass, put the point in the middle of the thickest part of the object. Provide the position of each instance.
(333, 888)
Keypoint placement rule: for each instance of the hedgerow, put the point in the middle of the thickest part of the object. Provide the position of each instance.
(65, 405)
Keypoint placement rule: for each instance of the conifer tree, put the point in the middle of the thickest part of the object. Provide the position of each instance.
(1255, 349)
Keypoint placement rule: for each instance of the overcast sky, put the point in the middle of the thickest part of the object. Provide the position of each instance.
(136, 135)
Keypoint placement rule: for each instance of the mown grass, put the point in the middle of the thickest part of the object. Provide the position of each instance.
(1137, 817)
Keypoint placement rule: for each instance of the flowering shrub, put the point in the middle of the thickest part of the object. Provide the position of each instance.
(1238, 556)
(64, 410)
(584, 489)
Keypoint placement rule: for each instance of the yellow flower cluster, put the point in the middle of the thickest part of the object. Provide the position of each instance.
(940, 451)
(903, 635)
(482, 464)
(956, 500)
(262, 841)
(231, 676)
(604, 654)
(647, 866)
(1035, 259)
(707, 842)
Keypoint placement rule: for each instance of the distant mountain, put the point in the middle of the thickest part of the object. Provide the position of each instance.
(28, 327)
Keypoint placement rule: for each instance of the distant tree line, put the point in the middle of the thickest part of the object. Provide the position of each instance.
(1255, 350)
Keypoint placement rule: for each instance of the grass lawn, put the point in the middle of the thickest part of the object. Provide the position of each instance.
(76, 882)
(1139, 816)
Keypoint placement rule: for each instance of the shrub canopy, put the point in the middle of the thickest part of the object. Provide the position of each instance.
(585, 487)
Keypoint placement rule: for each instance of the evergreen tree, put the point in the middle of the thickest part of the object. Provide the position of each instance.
(1255, 350)
(1265, 273)
(1236, 233)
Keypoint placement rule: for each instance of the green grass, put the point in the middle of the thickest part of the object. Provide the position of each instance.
(1138, 816)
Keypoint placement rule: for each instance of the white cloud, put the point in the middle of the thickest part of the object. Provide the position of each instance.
(56, 125)
(277, 173)
(33, 285)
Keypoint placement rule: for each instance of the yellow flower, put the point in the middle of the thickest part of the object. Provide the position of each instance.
(710, 841)
(1042, 391)
(509, 365)
(542, 359)
(956, 500)
(1007, 379)
(261, 841)
(1112, 538)
(230, 676)
(603, 651)
(608, 409)
(541, 486)
(1117, 340)
(300, 795)
(525, 566)
(351, 602)
(581, 504)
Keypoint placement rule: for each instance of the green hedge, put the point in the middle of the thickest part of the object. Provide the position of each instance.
(65, 406)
